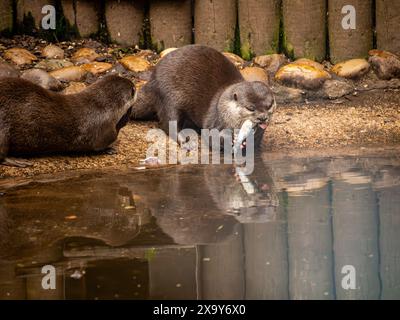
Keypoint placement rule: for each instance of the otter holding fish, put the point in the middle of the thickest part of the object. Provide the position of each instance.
(34, 120)
(200, 88)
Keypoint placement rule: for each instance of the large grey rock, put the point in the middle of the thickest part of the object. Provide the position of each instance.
(334, 89)
(385, 64)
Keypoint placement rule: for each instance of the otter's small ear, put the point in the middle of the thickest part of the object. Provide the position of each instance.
(235, 97)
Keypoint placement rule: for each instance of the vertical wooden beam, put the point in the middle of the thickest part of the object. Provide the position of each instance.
(355, 233)
(304, 33)
(32, 8)
(83, 14)
(222, 268)
(6, 15)
(259, 27)
(387, 25)
(389, 244)
(172, 274)
(170, 23)
(124, 20)
(350, 43)
(266, 261)
(310, 244)
(215, 23)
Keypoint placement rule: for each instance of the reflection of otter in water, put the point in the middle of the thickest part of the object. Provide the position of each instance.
(189, 204)
(249, 198)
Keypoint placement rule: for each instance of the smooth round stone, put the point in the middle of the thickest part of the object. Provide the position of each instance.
(287, 95)
(84, 55)
(135, 64)
(235, 59)
(302, 76)
(166, 51)
(308, 62)
(354, 68)
(334, 89)
(97, 67)
(271, 62)
(8, 71)
(74, 87)
(53, 64)
(42, 78)
(53, 52)
(385, 64)
(74, 73)
(19, 56)
(255, 74)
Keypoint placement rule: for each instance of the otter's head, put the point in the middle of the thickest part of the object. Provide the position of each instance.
(245, 100)
(117, 95)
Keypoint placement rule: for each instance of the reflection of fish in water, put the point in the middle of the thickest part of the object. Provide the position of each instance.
(249, 198)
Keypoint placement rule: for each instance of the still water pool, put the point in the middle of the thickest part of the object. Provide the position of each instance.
(297, 228)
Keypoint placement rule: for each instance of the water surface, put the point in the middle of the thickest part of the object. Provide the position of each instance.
(201, 232)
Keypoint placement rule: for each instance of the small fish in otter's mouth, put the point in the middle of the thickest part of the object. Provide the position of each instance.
(248, 128)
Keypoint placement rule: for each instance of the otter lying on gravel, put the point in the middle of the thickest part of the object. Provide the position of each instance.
(37, 121)
(200, 88)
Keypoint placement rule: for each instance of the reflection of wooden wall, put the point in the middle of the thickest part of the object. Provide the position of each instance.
(355, 234)
(248, 26)
(310, 245)
(389, 242)
(222, 269)
(172, 274)
(266, 264)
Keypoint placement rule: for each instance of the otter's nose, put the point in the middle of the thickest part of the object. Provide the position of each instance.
(262, 117)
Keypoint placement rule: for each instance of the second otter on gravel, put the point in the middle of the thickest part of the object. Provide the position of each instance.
(200, 88)
(37, 121)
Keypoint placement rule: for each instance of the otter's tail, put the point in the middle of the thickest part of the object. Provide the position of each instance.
(145, 106)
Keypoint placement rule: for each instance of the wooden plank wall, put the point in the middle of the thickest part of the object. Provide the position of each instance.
(299, 28)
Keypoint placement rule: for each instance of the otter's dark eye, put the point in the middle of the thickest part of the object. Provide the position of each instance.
(251, 108)
(235, 97)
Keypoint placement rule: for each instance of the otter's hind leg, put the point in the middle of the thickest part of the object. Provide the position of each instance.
(145, 107)
(4, 145)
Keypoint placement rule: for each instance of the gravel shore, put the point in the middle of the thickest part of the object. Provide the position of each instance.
(372, 119)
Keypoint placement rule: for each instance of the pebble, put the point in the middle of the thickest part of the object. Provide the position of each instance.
(74, 87)
(8, 71)
(53, 52)
(351, 69)
(135, 64)
(335, 89)
(53, 64)
(74, 73)
(271, 62)
(84, 55)
(235, 59)
(19, 56)
(166, 51)
(255, 74)
(97, 67)
(385, 64)
(302, 76)
(43, 79)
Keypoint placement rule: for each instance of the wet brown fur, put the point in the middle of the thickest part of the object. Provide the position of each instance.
(197, 86)
(37, 121)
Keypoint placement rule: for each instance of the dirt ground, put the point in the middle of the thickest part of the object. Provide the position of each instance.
(364, 121)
